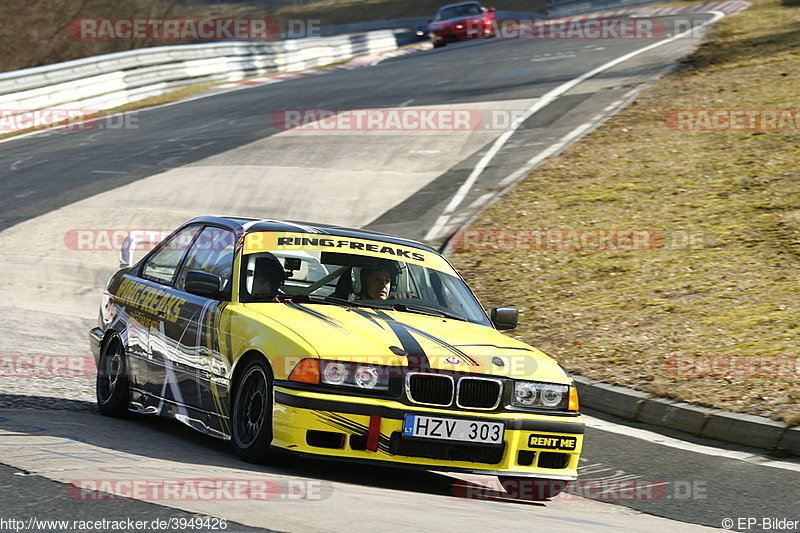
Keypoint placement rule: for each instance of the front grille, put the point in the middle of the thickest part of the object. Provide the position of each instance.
(445, 450)
(478, 393)
(430, 389)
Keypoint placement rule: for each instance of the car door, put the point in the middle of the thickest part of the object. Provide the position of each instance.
(161, 310)
(200, 362)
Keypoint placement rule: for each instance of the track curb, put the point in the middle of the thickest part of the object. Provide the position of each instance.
(734, 428)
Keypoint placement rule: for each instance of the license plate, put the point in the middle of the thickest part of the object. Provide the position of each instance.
(431, 427)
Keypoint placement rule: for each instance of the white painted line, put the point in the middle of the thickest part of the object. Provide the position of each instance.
(545, 100)
(481, 200)
(663, 440)
(529, 165)
(15, 165)
(566, 139)
(550, 150)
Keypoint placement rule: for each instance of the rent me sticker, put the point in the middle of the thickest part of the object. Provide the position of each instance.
(552, 442)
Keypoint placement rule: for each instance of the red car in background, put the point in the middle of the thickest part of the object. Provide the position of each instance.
(458, 22)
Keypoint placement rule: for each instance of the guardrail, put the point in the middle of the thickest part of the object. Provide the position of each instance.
(111, 80)
(565, 8)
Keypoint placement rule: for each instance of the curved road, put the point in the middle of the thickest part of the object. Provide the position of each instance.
(225, 153)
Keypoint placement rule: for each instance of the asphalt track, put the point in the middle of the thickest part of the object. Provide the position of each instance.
(48, 181)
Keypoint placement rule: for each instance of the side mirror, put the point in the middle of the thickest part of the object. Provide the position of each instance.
(505, 317)
(202, 284)
(492, 9)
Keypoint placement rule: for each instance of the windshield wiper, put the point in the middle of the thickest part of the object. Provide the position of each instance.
(424, 310)
(409, 308)
(349, 303)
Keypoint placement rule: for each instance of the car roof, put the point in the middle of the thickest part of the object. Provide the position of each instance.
(251, 225)
(460, 4)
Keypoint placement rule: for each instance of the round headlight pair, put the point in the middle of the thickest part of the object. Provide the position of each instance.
(362, 376)
(532, 394)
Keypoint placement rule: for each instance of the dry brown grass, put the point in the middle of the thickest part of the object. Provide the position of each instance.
(618, 316)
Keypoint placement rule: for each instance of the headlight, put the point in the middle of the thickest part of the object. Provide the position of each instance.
(525, 393)
(552, 395)
(541, 395)
(334, 373)
(366, 377)
(370, 377)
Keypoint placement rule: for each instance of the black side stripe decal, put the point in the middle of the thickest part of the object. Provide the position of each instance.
(316, 314)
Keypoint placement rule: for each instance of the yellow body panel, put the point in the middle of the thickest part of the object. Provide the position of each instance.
(292, 423)
(286, 334)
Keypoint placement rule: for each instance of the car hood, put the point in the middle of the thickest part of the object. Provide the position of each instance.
(460, 20)
(418, 341)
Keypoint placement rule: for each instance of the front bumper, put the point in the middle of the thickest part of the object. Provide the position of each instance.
(453, 35)
(370, 429)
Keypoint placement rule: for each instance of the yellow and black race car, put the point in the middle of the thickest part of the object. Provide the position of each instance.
(332, 342)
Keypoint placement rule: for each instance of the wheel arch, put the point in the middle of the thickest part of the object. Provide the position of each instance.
(238, 368)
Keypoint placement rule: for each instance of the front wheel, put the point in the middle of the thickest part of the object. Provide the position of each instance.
(112, 385)
(252, 413)
(536, 489)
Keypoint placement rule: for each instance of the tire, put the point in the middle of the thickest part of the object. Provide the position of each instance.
(535, 489)
(112, 385)
(438, 45)
(251, 425)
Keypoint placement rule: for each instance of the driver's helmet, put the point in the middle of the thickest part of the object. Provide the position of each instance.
(268, 276)
(360, 278)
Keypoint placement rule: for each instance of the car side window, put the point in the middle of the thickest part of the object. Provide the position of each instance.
(161, 266)
(212, 252)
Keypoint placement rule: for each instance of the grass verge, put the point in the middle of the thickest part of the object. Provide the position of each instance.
(725, 281)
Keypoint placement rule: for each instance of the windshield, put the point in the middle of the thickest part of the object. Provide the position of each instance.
(373, 276)
(465, 10)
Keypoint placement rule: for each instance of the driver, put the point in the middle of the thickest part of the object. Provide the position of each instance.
(380, 282)
(268, 276)
(376, 284)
